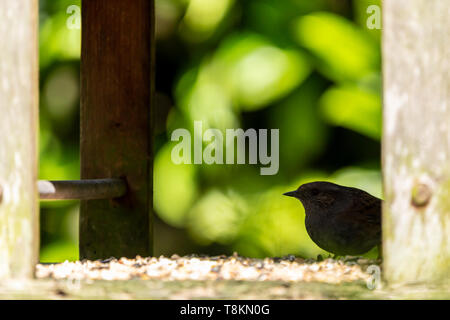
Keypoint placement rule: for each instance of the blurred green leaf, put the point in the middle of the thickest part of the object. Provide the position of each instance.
(59, 251)
(275, 227)
(272, 18)
(256, 72)
(354, 108)
(362, 15)
(57, 42)
(267, 74)
(303, 133)
(202, 17)
(61, 93)
(57, 161)
(345, 52)
(175, 187)
(247, 72)
(217, 217)
(201, 98)
(365, 179)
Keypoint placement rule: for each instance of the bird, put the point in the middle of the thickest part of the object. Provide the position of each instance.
(342, 220)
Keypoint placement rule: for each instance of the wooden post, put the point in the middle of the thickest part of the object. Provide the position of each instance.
(117, 66)
(416, 140)
(19, 213)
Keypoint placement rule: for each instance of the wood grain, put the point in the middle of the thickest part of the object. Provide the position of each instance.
(117, 67)
(416, 140)
(19, 212)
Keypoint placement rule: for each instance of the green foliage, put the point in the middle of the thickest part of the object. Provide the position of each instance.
(354, 108)
(175, 188)
(56, 41)
(59, 54)
(344, 51)
(59, 250)
(255, 72)
(303, 133)
(301, 66)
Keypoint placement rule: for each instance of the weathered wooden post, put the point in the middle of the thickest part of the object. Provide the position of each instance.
(416, 141)
(19, 211)
(116, 125)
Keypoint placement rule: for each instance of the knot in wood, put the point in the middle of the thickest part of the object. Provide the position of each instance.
(421, 195)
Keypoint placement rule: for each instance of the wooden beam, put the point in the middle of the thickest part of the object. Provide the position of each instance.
(19, 212)
(117, 67)
(416, 140)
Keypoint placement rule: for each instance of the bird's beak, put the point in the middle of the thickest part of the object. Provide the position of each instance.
(291, 193)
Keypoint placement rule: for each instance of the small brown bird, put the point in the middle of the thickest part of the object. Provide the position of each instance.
(340, 220)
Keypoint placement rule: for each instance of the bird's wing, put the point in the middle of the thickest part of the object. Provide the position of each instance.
(369, 208)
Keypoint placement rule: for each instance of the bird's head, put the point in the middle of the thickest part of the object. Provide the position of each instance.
(319, 195)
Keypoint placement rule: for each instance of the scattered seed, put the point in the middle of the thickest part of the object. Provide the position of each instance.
(194, 267)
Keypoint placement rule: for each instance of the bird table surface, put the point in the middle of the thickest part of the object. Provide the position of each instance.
(218, 277)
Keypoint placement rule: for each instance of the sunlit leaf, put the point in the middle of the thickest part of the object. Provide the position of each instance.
(57, 41)
(276, 227)
(202, 18)
(216, 217)
(303, 131)
(256, 72)
(59, 251)
(368, 13)
(354, 108)
(365, 179)
(175, 187)
(201, 98)
(61, 93)
(267, 74)
(344, 51)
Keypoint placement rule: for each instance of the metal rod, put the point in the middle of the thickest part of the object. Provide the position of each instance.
(81, 189)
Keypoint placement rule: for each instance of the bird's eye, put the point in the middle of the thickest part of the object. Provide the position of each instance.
(314, 192)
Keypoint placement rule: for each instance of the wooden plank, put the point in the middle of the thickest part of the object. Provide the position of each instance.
(138, 289)
(416, 141)
(19, 213)
(117, 62)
